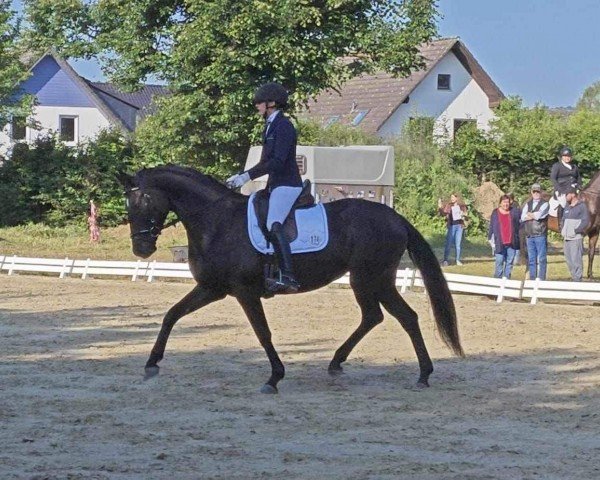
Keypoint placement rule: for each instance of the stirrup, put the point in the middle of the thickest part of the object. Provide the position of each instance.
(282, 284)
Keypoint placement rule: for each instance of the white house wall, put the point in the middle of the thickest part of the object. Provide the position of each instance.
(464, 100)
(88, 124)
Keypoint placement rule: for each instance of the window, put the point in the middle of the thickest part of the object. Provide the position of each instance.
(460, 123)
(359, 117)
(331, 120)
(301, 162)
(18, 128)
(68, 129)
(443, 81)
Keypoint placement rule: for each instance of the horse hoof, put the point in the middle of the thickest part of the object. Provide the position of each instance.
(335, 371)
(421, 385)
(150, 372)
(268, 389)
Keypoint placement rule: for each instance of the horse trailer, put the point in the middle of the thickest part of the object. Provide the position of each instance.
(362, 171)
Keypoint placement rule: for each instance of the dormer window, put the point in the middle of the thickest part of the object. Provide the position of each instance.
(443, 81)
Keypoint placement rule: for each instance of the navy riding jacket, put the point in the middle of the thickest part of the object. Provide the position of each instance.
(278, 159)
(563, 178)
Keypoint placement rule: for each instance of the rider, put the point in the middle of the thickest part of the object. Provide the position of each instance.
(278, 160)
(564, 175)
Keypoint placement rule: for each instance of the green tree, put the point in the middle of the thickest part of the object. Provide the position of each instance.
(12, 71)
(590, 99)
(214, 53)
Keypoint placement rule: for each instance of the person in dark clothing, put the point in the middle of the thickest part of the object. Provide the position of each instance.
(534, 217)
(575, 220)
(503, 235)
(278, 160)
(564, 175)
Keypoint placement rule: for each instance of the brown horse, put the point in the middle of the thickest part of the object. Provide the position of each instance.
(591, 196)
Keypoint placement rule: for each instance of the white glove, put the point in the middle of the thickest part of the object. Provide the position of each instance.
(238, 180)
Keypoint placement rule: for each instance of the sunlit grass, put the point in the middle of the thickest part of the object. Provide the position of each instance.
(73, 242)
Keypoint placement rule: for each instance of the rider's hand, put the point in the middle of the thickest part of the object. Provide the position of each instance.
(236, 181)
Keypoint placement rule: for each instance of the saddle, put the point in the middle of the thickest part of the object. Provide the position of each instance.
(290, 229)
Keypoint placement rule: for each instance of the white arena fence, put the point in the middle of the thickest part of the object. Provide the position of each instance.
(500, 288)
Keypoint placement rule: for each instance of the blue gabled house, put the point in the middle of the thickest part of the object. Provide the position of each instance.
(74, 107)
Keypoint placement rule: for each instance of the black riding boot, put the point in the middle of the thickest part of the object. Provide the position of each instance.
(285, 282)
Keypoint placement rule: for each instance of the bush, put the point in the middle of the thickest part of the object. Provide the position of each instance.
(50, 182)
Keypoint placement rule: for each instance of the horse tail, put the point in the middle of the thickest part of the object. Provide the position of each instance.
(437, 288)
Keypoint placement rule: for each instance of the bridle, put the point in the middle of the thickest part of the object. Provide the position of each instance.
(155, 229)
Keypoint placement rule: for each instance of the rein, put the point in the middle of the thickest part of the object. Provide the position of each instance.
(155, 230)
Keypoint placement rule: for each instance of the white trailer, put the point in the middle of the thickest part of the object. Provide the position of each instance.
(340, 172)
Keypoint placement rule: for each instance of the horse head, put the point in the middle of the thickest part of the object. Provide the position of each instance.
(147, 209)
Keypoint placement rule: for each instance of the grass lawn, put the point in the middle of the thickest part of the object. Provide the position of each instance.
(73, 242)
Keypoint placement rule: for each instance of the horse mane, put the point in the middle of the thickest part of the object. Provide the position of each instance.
(198, 182)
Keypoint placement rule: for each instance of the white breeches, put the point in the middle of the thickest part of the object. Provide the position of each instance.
(555, 202)
(280, 203)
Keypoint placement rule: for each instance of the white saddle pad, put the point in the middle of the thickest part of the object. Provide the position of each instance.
(313, 233)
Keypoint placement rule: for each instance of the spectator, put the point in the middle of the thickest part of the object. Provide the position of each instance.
(534, 218)
(515, 204)
(574, 223)
(455, 212)
(503, 236)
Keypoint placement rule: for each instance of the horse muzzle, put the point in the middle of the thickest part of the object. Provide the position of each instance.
(143, 249)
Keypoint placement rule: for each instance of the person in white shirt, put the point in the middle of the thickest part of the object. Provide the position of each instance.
(455, 212)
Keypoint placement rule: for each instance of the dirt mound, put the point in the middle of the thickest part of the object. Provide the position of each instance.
(486, 198)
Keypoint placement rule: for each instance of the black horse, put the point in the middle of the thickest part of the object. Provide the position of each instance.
(365, 238)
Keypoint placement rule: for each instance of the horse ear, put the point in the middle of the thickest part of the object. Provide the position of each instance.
(125, 179)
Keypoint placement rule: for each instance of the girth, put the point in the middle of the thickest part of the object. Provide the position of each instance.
(261, 207)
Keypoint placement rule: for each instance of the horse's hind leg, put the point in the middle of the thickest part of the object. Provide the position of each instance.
(395, 304)
(371, 316)
(593, 240)
(197, 298)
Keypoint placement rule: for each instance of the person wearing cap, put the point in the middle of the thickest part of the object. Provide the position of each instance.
(564, 175)
(534, 218)
(573, 225)
(278, 161)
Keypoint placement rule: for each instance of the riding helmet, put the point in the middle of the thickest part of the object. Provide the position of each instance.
(272, 92)
(566, 151)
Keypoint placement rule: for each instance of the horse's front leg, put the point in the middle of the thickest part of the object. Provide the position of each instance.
(197, 298)
(254, 310)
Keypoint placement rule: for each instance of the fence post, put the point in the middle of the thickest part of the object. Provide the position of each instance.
(405, 280)
(151, 276)
(501, 294)
(135, 273)
(12, 265)
(536, 287)
(85, 269)
(64, 268)
(2, 262)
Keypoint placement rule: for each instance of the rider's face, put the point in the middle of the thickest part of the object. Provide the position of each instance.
(262, 108)
(566, 158)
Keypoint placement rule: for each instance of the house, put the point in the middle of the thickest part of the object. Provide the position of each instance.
(452, 89)
(74, 107)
